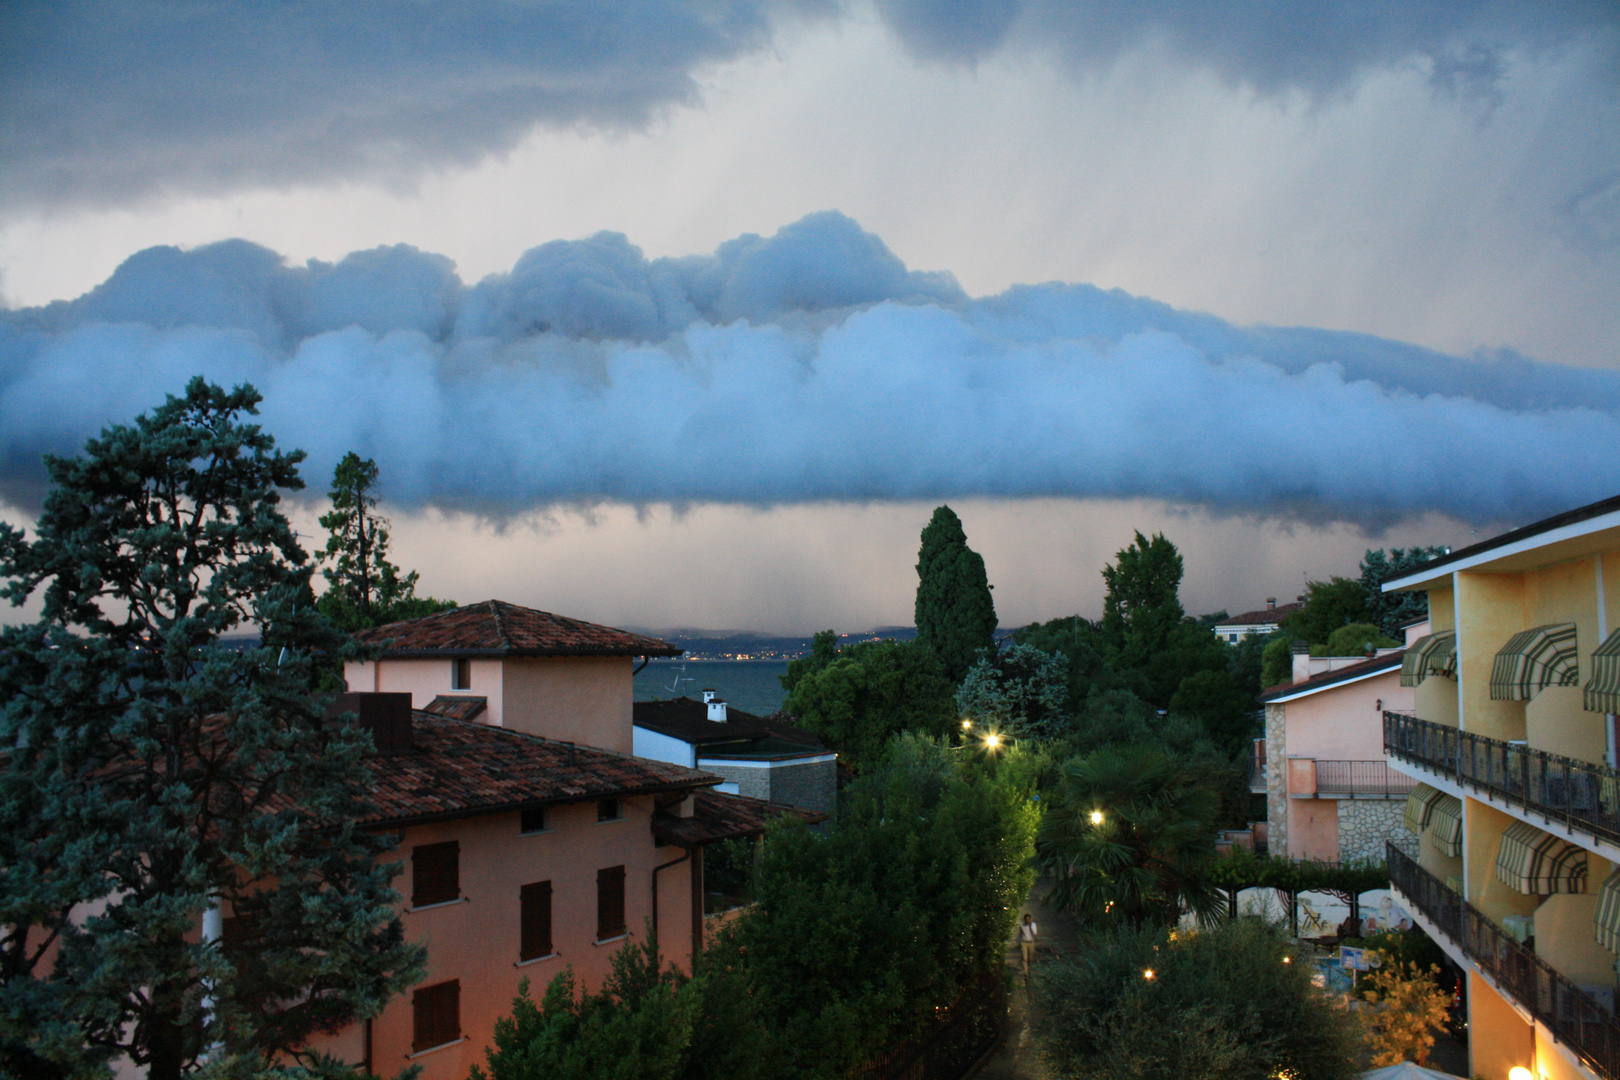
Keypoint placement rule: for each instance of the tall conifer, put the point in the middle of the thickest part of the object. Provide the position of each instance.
(954, 611)
(155, 771)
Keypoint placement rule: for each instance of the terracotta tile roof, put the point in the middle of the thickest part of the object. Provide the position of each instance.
(458, 769)
(457, 706)
(688, 720)
(496, 628)
(718, 816)
(1326, 679)
(1262, 617)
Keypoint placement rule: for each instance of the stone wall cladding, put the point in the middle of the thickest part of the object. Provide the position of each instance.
(1277, 780)
(751, 781)
(1364, 825)
(813, 786)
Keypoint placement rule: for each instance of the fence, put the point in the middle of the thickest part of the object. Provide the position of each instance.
(957, 1038)
(1361, 778)
(1571, 1014)
(1579, 794)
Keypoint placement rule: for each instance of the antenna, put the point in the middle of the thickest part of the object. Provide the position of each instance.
(680, 677)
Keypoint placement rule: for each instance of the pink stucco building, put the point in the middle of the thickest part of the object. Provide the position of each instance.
(1329, 792)
(532, 838)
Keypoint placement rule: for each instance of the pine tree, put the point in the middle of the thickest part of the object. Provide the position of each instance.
(155, 772)
(1142, 606)
(954, 611)
(364, 589)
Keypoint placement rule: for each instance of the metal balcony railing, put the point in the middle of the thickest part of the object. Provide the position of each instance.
(1580, 794)
(1361, 778)
(1572, 1015)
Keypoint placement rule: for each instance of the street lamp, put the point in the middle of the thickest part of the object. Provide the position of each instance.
(992, 741)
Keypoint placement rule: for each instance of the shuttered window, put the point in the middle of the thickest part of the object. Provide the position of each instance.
(532, 820)
(437, 1015)
(461, 674)
(534, 938)
(435, 873)
(609, 902)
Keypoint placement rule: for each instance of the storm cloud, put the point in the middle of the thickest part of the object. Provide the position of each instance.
(113, 104)
(808, 366)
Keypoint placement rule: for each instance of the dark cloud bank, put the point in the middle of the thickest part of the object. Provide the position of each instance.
(812, 365)
(108, 103)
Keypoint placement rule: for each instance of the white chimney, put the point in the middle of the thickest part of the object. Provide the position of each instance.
(1271, 602)
(708, 695)
(717, 708)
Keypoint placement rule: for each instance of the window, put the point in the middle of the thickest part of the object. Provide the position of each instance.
(534, 936)
(435, 873)
(532, 820)
(461, 674)
(437, 1015)
(609, 903)
(607, 810)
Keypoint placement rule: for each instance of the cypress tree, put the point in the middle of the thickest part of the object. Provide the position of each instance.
(155, 771)
(954, 611)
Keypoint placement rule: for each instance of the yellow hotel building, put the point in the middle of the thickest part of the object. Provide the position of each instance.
(1513, 742)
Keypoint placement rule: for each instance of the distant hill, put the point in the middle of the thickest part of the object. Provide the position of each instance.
(748, 645)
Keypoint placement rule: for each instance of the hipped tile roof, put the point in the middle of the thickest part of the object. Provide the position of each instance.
(496, 628)
(688, 720)
(719, 816)
(458, 769)
(1325, 679)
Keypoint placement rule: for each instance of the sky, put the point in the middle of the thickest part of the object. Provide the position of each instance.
(676, 314)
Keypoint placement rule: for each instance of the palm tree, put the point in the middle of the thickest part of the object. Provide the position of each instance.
(1129, 838)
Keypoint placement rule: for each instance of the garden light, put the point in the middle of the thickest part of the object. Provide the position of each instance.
(992, 741)
(1147, 973)
(1519, 1072)
(1096, 817)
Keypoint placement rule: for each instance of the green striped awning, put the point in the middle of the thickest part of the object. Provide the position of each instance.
(1608, 913)
(1434, 654)
(1603, 688)
(1534, 659)
(1446, 823)
(1538, 863)
(1420, 806)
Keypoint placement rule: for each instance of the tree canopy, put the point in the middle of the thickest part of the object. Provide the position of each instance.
(1390, 611)
(954, 612)
(1021, 691)
(364, 589)
(154, 771)
(856, 698)
(1329, 605)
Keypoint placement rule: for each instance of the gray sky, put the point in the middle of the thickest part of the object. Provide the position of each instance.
(868, 262)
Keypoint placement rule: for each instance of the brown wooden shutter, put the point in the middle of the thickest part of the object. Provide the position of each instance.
(535, 934)
(435, 873)
(437, 1015)
(609, 902)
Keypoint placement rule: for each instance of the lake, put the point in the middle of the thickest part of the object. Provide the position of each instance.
(751, 685)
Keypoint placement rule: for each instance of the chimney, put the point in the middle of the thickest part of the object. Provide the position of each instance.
(386, 716)
(708, 694)
(717, 708)
(1271, 602)
(1302, 661)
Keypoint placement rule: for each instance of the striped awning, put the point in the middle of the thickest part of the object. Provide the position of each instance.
(1603, 688)
(1538, 863)
(1446, 825)
(1420, 805)
(1542, 657)
(1608, 913)
(1434, 654)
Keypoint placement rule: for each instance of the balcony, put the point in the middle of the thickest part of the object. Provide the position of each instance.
(1361, 780)
(1566, 1010)
(1579, 794)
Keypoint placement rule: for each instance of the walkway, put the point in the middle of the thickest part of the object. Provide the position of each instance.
(1017, 1058)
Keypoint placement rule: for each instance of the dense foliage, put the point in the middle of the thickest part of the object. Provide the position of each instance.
(1391, 610)
(1329, 605)
(1405, 1007)
(1354, 639)
(364, 589)
(954, 612)
(1129, 839)
(1020, 690)
(858, 697)
(155, 771)
(1232, 1002)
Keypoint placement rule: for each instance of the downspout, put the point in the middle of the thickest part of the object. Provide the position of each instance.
(697, 905)
(645, 660)
(656, 869)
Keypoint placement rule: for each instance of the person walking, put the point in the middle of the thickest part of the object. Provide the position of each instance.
(1027, 932)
